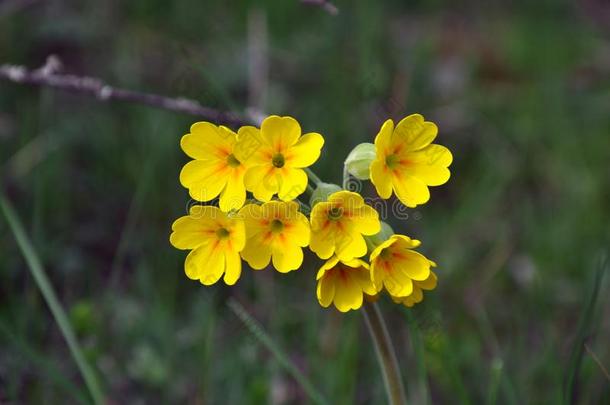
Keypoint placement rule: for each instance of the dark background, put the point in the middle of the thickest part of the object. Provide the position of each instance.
(521, 93)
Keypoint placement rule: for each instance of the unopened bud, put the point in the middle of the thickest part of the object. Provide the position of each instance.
(358, 162)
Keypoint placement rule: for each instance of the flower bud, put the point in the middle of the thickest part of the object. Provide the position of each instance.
(358, 162)
(321, 193)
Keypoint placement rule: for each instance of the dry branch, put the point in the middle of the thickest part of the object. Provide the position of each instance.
(48, 76)
(325, 5)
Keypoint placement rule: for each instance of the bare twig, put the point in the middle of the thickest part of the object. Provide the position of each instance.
(325, 5)
(48, 76)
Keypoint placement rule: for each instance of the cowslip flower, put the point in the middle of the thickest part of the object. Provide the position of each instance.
(338, 226)
(343, 283)
(215, 240)
(395, 266)
(276, 155)
(417, 295)
(275, 231)
(215, 169)
(407, 162)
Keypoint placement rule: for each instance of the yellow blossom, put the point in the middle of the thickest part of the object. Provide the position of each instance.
(337, 226)
(395, 265)
(275, 231)
(343, 283)
(407, 162)
(417, 295)
(215, 240)
(276, 154)
(215, 169)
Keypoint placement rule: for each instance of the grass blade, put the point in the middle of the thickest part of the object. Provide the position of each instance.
(255, 328)
(46, 289)
(585, 325)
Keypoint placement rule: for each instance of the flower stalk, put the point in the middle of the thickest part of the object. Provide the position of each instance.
(386, 355)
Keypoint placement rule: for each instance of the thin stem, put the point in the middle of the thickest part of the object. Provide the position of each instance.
(386, 354)
(45, 287)
(309, 190)
(314, 177)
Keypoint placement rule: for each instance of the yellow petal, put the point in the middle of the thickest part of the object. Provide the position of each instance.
(412, 263)
(362, 276)
(325, 291)
(207, 141)
(366, 220)
(350, 245)
(415, 132)
(252, 216)
(429, 283)
(322, 243)
(190, 232)
(237, 229)
(261, 181)
(251, 148)
(381, 178)
(258, 255)
(234, 194)
(319, 215)
(409, 190)
(430, 165)
(384, 136)
(297, 230)
(205, 264)
(397, 283)
(280, 132)
(347, 199)
(292, 182)
(287, 259)
(348, 295)
(306, 151)
(326, 267)
(233, 268)
(205, 180)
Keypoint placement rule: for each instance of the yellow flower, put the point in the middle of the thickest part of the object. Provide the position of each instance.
(395, 265)
(275, 230)
(343, 283)
(417, 295)
(276, 155)
(215, 239)
(215, 170)
(337, 226)
(407, 162)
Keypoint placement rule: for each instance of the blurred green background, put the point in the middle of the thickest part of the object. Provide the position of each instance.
(521, 93)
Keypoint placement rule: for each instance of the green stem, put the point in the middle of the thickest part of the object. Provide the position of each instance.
(314, 177)
(385, 354)
(51, 298)
(309, 190)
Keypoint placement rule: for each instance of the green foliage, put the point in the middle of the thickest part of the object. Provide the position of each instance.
(520, 94)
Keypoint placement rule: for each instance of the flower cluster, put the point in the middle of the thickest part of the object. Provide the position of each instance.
(271, 163)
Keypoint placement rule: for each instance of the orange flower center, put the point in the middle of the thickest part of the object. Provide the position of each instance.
(392, 161)
(222, 233)
(278, 160)
(277, 226)
(385, 253)
(232, 161)
(335, 213)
